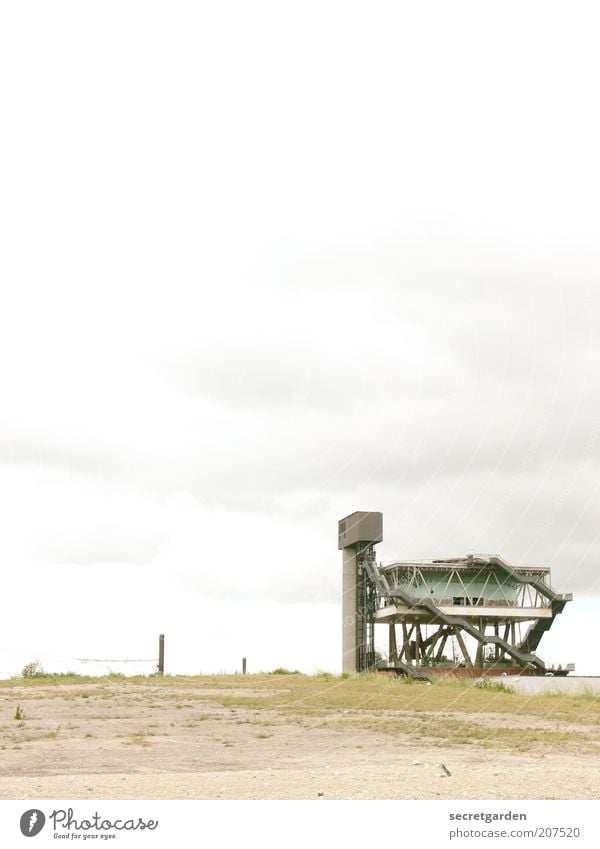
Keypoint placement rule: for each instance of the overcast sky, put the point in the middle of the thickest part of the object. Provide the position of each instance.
(265, 264)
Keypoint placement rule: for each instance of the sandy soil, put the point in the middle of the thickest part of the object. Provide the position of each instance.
(118, 742)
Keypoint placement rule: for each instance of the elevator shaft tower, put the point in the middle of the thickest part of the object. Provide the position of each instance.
(357, 534)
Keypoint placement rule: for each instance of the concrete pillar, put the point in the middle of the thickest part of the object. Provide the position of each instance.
(349, 564)
(356, 534)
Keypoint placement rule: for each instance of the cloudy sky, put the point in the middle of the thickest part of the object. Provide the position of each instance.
(267, 264)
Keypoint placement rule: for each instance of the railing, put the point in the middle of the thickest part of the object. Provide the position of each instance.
(482, 602)
(459, 563)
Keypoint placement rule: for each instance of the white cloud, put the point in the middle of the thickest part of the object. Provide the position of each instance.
(265, 268)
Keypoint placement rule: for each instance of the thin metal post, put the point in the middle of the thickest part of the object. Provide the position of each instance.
(392, 648)
(161, 654)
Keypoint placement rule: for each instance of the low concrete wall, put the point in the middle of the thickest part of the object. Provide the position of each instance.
(570, 684)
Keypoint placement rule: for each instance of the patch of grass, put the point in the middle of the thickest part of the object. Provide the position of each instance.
(262, 736)
(447, 732)
(493, 686)
(47, 735)
(321, 694)
(203, 717)
(323, 675)
(19, 713)
(137, 739)
(586, 694)
(56, 678)
(281, 670)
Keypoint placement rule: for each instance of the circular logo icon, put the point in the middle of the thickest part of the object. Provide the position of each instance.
(32, 822)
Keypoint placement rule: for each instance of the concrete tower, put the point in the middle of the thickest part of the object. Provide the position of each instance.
(357, 534)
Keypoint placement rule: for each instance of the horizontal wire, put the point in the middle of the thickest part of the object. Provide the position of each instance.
(115, 659)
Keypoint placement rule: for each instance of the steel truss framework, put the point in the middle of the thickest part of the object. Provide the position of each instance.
(367, 603)
(474, 612)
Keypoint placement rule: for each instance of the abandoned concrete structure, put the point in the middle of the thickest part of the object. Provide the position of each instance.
(471, 615)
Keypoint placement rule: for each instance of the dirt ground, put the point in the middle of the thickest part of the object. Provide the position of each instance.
(113, 740)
